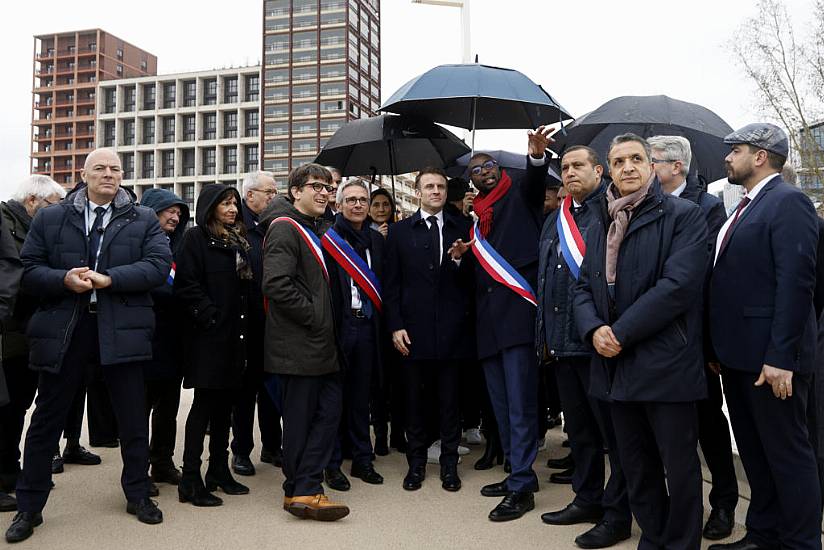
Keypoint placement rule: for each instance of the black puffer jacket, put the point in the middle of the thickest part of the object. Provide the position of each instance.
(214, 300)
(16, 223)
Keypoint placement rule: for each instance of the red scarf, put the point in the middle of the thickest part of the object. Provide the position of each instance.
(483, 203)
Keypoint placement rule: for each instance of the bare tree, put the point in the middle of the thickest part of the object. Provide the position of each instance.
(788, 73)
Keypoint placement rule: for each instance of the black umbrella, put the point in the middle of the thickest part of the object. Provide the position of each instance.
(649, 116)
(475, 96)
(390, 144)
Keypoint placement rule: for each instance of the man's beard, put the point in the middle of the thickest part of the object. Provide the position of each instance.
(740, 178)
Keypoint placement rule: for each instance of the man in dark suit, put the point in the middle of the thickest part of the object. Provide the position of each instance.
(510, 216)
(586, 418)
(671, 157)
(93, 260)
(428, 306)
(638, 301)
(358, 324)
(763, 327)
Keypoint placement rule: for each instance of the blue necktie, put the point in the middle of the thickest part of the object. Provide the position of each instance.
(95, 234)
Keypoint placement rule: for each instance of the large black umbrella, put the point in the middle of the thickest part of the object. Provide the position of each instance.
(475, 96)
(390, 145)
(649, 116)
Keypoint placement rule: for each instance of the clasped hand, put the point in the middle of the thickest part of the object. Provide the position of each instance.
(605, 342)
(83, 279)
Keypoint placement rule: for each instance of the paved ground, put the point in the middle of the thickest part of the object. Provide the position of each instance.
(87, 510)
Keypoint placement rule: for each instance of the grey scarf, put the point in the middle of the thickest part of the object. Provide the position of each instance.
(620, 210)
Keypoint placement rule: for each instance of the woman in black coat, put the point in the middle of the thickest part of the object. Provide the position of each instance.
(212, 284)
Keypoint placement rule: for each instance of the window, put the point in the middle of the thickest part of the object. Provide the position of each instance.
(229, 160)
(305, 57)
(129, 100)
(149, 97)
(209, 126)
(332, 71)
(110, 100)
(188, 162)
(120, 53)
(277, 58)
(169, 95)
(119, 70)
(168, 169)
(279, 147)
(307, 90)
(168, 129)
(332, 125)
(302, 40)
(332, 18)
(210, 92)
(332, 89)
(274, 76)
(92, 46)
(148, 130)
(209, 161)
(108, 133)
(330, 107)
(252, 123)
(275, 129)
(70, 49)
(276, 111)
(250, 158)
(147, 165)
(276, 42)
(338, 53)
(304, 127)
(144, 65)
(189, 93)
(230, 90)
(188, 123)
(128, 165)
(128, 132)
(304, 20)
(252, 88)
(333, 37)
(304, 146)
(230, 124)
(277, 93)
(305, 73)
(187, 193)
(304, 109)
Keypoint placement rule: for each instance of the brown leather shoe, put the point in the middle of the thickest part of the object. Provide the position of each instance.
(317, 507)
(287, 501)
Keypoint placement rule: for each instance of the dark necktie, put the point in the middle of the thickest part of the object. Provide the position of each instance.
(95, 234)
(436, 238)
(744, 202)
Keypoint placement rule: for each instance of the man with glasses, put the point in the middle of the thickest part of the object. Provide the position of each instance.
(258, 191)
(300, 341)
(332, 207)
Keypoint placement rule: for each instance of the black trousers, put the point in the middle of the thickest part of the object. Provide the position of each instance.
(311, 414)
(658, 446)
(162, 403)
(472, 388)
(55, 393)
(714, 437)
(446, 376)
(22, 385)
(212, 409)
(358, 341)
(589, 425)
(772, 439)
(243, 416)
(101, 418)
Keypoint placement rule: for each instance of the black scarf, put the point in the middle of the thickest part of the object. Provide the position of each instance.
(359, 239)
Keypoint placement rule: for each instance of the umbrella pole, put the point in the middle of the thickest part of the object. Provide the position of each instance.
(474, 114)
(372, 181)
(392, 167)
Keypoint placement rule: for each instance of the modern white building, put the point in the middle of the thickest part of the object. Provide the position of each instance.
(182, 131)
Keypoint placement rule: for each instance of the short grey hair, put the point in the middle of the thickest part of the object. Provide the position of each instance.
(38, 186)
(250, 181)
(626, 138)
(673, 148)
(349, 182)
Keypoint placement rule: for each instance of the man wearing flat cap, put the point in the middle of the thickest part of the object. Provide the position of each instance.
(762, 328)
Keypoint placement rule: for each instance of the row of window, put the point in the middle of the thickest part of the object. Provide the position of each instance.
(189, 96)
(281, 129)
(188, 128)
(166, 167)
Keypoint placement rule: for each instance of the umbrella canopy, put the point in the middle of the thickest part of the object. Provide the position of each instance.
(388, 145)
(506, 159)
(476, 97)
(648, 116)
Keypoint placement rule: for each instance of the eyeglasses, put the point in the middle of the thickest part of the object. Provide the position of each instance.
(352, 201)
(661, 161)
(268, 192)
(319, 187)
(488, 165)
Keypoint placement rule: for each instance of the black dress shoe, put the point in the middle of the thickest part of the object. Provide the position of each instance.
(603, 535)
(367, 473)
(743, 544)
(513, 506)
(719, 525)
(113, 444)
(191, 489)
(225, 481)
(166, 474)
(242, 466)
(450, 480)
(22, 526)
(146, 511)
(57, 464)
(79, 455)
(573, 514)
(563, 463)
(153, 490)
(414, 478)
(7, 502)
(336, 479)
(495, 489)
(562, 478)
(275, 458)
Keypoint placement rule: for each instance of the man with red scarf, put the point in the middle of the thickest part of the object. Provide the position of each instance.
(510, 215)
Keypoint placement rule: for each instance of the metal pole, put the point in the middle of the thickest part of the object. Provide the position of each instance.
(466, 41)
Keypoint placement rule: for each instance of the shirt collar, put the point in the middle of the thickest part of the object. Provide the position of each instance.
(439, 215)
(93, 205)
(680, 189)
(757, 189)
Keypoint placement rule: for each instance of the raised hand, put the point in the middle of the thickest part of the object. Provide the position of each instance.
(539, 140)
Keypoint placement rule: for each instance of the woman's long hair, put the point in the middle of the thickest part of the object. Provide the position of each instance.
(393, 210)
(216, 227)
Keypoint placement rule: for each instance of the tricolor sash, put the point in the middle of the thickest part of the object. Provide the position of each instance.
(311, 240)
(572, 243)
(170, 280)
(346, 256)
(498, 268)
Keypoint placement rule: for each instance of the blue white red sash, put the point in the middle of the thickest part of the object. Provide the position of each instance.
(572, 243)
(170, 280)
(498, 268)
(343, 253)
(311, 240)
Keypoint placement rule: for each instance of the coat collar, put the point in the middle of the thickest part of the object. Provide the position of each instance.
(121, 200)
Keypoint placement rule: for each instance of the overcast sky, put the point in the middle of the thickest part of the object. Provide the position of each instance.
(583, 52)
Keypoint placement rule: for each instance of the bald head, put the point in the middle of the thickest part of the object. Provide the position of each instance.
(103, 174)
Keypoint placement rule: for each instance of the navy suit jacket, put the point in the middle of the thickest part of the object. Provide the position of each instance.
(761, 287)
(432, 303)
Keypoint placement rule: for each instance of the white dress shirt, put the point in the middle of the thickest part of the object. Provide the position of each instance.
(680, 189)
(751, 195)
(356, 301)
(91, 216)
(425, 216)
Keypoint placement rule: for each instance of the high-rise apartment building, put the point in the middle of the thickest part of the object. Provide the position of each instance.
(183, 131)
(321, 68)
(67, 69)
